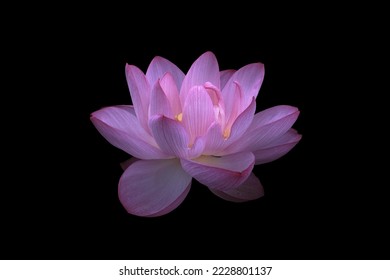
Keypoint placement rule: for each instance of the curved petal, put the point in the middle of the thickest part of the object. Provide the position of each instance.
(221, 173)
(140, 93)
(153, 187)
(121, 128)
(266, 127)
(232, 105)
(173, 139)
(277, 148)
(170, 89)
(217, 100)
(251, 189)
(174, 204)
(243, 121)
(204, 69)
(214, 140)
(159, 66)
(198, 112)
(159, 103)
(250, 77)
(225, 75)
(125, 164)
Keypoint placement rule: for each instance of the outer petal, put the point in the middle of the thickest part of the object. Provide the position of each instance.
(225, 75)
(159, 103)
(250, 77)
(278, 148)
(153, 187)
(198, 112)
(160, 66)
(140, 93)
(221, 173)
(173, 139)
(249, 190)
(125, 164)
(174, 204)
(266, 127)
(121, 128)
(204, 69)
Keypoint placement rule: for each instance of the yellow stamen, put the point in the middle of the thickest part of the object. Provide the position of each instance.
(226, 133)
(179, 117)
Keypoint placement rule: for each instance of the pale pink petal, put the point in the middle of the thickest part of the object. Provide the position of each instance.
(121, 128)
(198, 112)
(214, 140)
(217, 138)
(204, 69)
(159, 103)
(159, 66)
(214, 93)
(173, 139)
(140, 93)
(250, 78)
(243, 121)
(221, 173)
(217, 100)
(174, 204)
(170, 89)
(232, 105)
(225, 75)
(266, 127)
(153, 187)
(125, 164)
(251, 189)
(277, 148)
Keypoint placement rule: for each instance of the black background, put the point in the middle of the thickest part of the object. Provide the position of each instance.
(60, 201)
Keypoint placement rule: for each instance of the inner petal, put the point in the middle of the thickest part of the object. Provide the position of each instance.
(198, 112)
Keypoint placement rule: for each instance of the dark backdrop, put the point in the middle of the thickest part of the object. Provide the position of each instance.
(61, 200)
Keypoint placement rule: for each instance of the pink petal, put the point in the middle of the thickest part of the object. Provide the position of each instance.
(159, 103)
(174, 204)
(214, 93)
(217, 100)
(225, 75)
(170, 89)
(250, 78)
(121, 128)
(243, 121)
(277, 148)
(125, 164)
(232, 105)
(204, 69)
(198, 112)
(266, 127)
(173, 139)
(153, 187)
(221, 173)
(140, 93)
(251, 189)
(214, 140)
(159, 66)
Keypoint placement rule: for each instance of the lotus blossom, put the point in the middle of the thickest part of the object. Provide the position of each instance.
(201, 125)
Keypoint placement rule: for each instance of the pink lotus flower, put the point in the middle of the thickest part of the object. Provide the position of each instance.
(201, 125)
